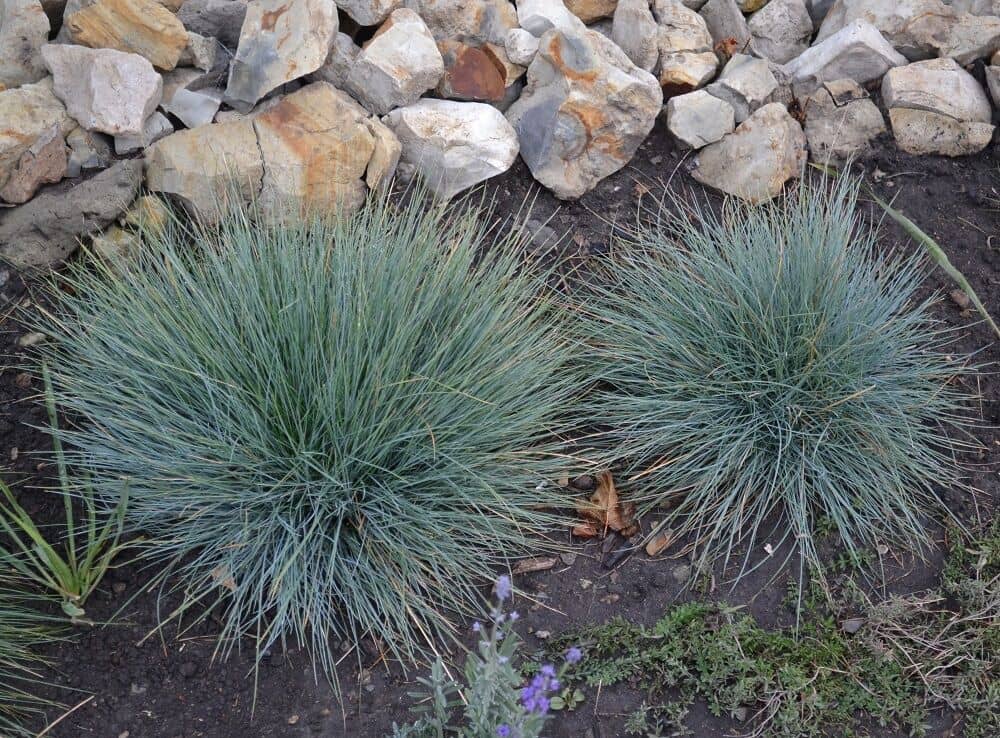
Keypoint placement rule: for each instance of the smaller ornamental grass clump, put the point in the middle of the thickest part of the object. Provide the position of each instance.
(492, 701)
(330, 430)
(764, 367)
(22, 628)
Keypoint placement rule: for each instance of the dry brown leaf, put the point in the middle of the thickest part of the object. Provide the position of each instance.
(660, 542)
(537, 563)
(604, 510)
(223, 578)
(584, 530)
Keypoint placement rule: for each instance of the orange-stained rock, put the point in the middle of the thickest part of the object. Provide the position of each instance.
(470, 73)
(44, 162)
(591, 10)
(26, 115)
(141, 27)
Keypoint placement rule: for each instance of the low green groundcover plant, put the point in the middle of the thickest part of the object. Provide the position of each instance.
(899, 659)
(21, 629)
(331, 430)
(765, 366)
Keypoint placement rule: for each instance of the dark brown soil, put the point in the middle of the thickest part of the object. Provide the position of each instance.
(167, 686)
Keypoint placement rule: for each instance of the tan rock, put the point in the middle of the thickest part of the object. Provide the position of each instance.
(205, 167)
(687, 59)
(27, 114)
(142, 27)
(317, 145)
(24, 30)
(472, 22)
(754, 161)
(924, 132)
(44, 162)
(281, 40)
(841, 121)
(591, 10)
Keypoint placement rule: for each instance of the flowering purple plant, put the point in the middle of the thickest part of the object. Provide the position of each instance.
(497, 702)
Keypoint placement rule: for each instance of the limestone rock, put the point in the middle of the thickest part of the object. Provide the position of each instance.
(343, 53)
(204, 166)
(47, 229)
(925, 132)
(635, 30)
(993, 83)
(193, 108)
(452, 145)
(319, 150)
(369, 12)
(937, 85)
(87, 150)
(156, 127)
(27, 115)
(591, 10)
(142, 27)
(44, 162)
(754, 161)
(104, 90)
(221, 19)
(115, 246)
(857, 51)
(539, 16)
(399, 64)
(687, 60)
(698, 118)
(584, 112)
(728, 27)
(964, 38)
(24, 30)
(841, 121)
(281, 40)
(818, 10)
(201, 52)
(472, 22)
(521, 46)
(746, 83)
(781, 30)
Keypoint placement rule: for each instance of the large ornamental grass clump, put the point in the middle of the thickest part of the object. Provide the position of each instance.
(332, 431)
(764, 367)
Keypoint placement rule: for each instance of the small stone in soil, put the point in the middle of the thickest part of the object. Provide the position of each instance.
(960, 298)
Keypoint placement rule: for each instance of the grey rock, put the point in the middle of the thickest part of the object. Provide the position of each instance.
(635, 30)
(87, 151)
(472, 22)
(754, 161)
(397, 66)
(698, 118)
(24, 30)
(924, 132)
(841, 121)
(727, 25)
(993, 83)
(858, 52)
(193, 107)
(781, 30)
(539, 16)
(157, 126)
(584, 112)
(746, 83)
(818, 10)
(46, 230)
(221, 19)
(369, 12)
(521, 46)
(202, 52)
(343, 53)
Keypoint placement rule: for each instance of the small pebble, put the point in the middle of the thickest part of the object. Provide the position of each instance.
(30, 339)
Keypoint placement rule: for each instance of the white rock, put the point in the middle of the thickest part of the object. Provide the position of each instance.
(369, 12)
(281, 40)
(746, 83)
(399, 64)
(157, 126)
(584, 112)
(841, 121)
(221, 19)
(24, 30)
(781, 30)
(698, 118)
(754, 161)
(343, 53)
(453, 145)
(857, 51)
(473, 22)
(193, 107)
(635, 30)
(104, 90)
(922, 132)
(539, 16)
(521, 46)
(938, 85)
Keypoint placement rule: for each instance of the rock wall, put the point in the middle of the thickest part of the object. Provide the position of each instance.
(309, 104)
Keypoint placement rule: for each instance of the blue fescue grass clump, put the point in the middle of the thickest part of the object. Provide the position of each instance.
(761, 368)
(21, 629)
(331, 431)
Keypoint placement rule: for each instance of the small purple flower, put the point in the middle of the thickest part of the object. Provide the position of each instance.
(476, 627)
(574, 655)
(548, 670)
(503, 731)
(514, 616)
(503, 588)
